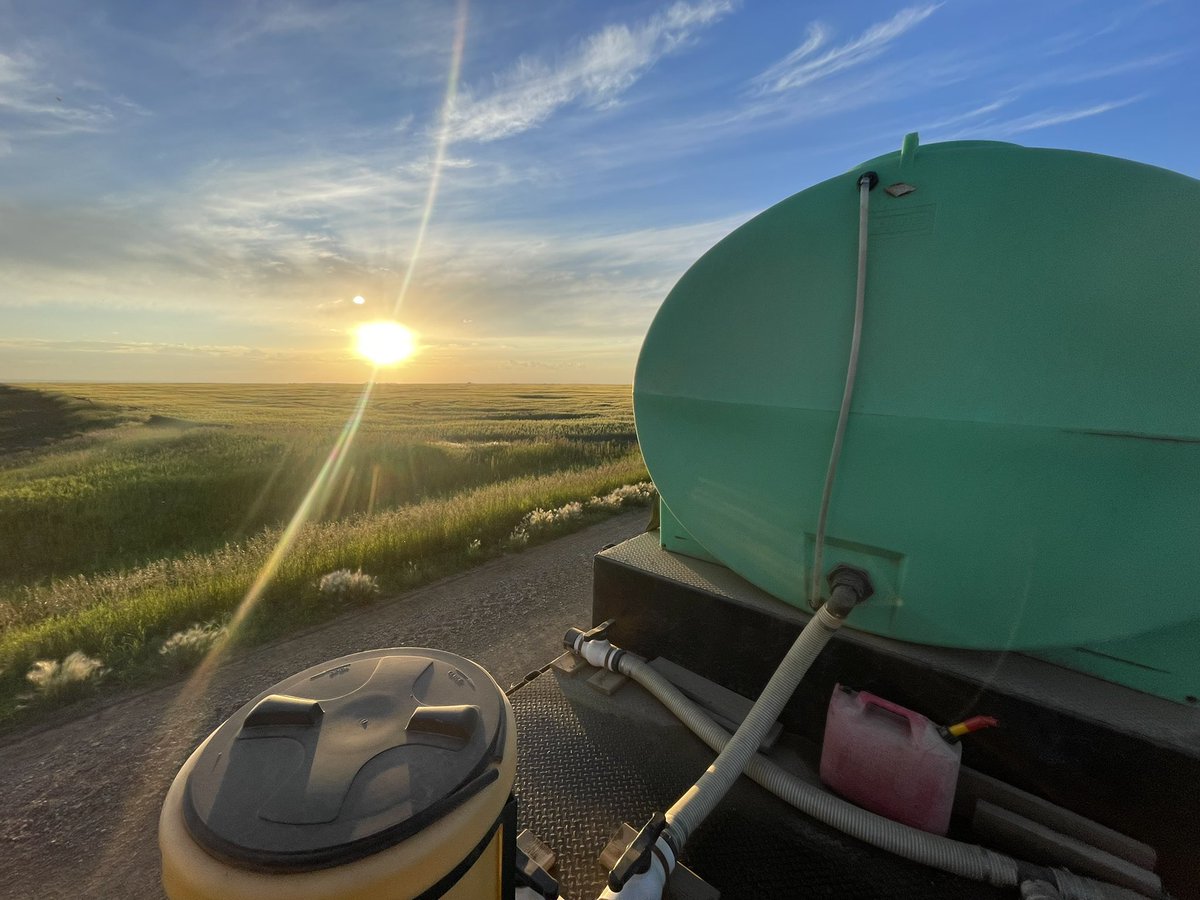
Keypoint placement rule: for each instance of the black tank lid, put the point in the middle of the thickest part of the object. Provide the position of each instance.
(346, 759)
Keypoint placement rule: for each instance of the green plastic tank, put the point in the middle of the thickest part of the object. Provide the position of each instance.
(1021, 466)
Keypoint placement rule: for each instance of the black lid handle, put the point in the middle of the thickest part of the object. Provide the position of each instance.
(282, 709)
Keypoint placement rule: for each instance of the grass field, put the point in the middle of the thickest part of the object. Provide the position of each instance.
(135, 518)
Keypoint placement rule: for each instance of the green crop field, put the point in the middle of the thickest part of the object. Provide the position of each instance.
(135, 518)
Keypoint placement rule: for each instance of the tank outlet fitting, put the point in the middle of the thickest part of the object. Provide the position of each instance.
(848, 586)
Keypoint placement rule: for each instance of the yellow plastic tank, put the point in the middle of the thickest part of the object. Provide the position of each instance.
(385, 774)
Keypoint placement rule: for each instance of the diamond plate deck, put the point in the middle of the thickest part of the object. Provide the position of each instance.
(588, 762)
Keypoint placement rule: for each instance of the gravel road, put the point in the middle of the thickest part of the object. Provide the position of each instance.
(79, 802)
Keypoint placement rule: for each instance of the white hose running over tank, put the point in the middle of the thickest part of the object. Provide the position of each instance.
(864, 193)
(734, 754)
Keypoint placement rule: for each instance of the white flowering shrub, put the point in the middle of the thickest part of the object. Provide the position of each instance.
(641, 494)
(543, 520)
(57, 680)
(346, 586)
(184, 649)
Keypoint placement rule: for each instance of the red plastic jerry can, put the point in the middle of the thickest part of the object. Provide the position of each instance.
(890, 760)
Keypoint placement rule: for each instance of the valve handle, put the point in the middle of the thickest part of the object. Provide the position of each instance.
(638, 855)
(599, 633)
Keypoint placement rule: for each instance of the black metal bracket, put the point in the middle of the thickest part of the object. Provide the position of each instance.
(639, 854)
(534, 877)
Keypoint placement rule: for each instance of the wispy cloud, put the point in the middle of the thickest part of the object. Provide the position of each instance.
(310, 216)
(1044, 118)
(283, 248)
(595, 73)
(1049, 117)
(974, 114)
(31, 105)
(1096, 71)
(809, 63)
(530, 279)
(117, 360)
(919, 86)
(818, 79)
(260, 19)
(1104, 24)
(154, 348)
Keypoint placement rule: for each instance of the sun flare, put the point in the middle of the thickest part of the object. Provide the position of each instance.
(385, 343)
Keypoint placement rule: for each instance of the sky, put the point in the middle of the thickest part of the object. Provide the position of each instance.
(197, 191)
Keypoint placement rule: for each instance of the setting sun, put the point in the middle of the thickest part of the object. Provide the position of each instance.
(385, 343)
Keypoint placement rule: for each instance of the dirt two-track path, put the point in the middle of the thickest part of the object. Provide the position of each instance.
(79, 801)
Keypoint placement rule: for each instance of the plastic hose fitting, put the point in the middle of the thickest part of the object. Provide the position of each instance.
(572, 637)
(594, 646)
(575, 638)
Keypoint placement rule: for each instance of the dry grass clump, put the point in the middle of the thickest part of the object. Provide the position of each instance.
(184, 649)
(345, 586)
(542, 521)
(641, 494)
(55, 680)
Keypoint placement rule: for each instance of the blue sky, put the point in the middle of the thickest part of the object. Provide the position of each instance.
(195, 192)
